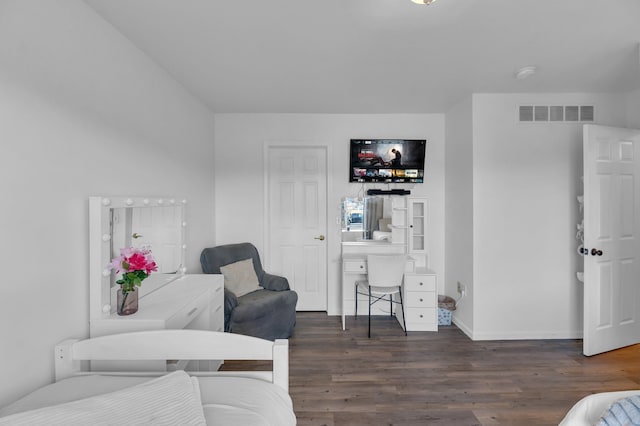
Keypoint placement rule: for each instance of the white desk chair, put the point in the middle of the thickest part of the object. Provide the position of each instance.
(385, 274)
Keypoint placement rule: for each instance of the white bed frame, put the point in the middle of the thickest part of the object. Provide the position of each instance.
(174, 345)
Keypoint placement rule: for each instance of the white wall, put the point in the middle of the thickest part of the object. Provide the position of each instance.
(526, 178)
(239, 173)
(633, 109)
(459, 210)
(83, 113)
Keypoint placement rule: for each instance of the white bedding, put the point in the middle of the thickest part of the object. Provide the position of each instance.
(225, 400)
(589, 409)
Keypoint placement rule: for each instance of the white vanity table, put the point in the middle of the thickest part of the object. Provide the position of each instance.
(190, 301)
(408, 235)
(169, 298)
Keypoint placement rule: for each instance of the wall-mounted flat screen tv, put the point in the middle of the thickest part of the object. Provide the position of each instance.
(387, 160)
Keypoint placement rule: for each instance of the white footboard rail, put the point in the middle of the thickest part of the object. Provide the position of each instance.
(175, 345)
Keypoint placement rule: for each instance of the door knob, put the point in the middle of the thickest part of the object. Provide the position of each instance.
(595, 252)
(321, 238)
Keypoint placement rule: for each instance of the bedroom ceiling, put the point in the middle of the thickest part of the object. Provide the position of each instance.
(380, 56)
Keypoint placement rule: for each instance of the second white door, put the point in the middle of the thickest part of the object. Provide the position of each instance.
(297, 221)
(611, 238)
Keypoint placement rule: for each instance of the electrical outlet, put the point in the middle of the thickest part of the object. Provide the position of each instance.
(461, 288)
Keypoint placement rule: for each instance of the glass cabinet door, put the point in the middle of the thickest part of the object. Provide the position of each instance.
(417, 209)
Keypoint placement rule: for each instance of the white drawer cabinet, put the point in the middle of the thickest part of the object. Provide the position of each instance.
(420, 300)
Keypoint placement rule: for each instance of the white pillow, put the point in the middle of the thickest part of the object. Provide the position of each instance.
(240, 277)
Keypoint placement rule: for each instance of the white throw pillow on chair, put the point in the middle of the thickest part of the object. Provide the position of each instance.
(240, 277)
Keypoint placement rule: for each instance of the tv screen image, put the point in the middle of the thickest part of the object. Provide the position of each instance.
(387, 160)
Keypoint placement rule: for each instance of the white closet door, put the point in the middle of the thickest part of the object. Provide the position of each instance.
(297, 221)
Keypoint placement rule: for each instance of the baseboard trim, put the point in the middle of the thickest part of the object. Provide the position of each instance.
(517, 335)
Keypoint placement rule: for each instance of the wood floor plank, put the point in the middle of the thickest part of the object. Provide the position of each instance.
(342, 378)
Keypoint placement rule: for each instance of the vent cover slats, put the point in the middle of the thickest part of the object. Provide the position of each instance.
(541, 113)
(586, 113)
(571, 113)
(526, 113)
(556, 113)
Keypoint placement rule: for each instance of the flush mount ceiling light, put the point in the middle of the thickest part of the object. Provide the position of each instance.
(424, 2)
(525, 72)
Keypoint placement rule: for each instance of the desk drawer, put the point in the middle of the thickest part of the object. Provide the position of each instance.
(421, 315)
(420, 299)
(420, 282)
(217, 309)
(360, 266)
(218, 296)
(189, 312)
(357, 266)
(217, 322)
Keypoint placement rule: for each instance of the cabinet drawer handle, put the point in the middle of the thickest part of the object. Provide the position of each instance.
(421, 284)
(191, 312)
(361, 266)
(422, 300)
(421, 316)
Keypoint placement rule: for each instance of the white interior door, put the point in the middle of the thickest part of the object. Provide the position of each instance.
(297, 221)
(611, 238)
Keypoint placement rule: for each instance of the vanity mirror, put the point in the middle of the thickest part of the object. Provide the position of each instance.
(119, 222)
(366, 218)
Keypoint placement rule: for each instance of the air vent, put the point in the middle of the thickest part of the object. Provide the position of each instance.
(571, 113)
(541, 113)
(556, 113)
(526, 113)
(586, 113)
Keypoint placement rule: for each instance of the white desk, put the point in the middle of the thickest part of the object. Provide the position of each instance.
(191, 301)
(420, 292)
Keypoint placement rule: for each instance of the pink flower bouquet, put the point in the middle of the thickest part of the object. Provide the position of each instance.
(135, 264)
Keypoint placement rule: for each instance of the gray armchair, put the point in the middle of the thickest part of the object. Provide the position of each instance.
(269, 313)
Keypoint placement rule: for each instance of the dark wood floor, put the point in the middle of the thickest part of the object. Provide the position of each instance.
(343, 378)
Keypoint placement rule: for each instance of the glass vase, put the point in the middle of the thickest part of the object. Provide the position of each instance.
(127, 302)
